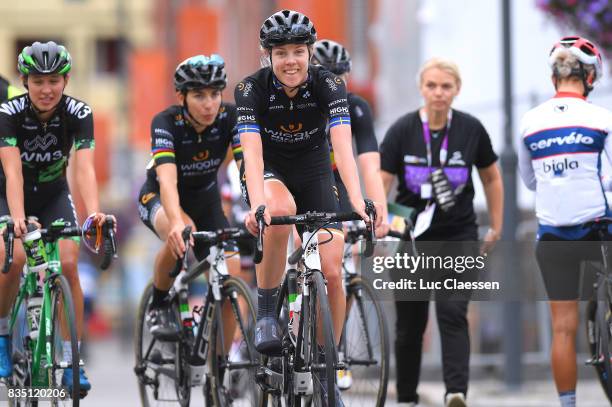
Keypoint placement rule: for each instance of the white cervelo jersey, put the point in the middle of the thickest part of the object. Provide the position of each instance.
(560, 158)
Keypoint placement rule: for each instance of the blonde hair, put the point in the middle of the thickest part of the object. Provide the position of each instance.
(442, 64)
(564, 64)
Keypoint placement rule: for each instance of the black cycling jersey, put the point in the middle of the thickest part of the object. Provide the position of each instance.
(45, 147)
(294, 132)
(362, 126)
(290, 127)
(197, 156)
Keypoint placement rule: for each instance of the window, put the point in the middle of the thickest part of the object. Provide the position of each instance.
(108, 56)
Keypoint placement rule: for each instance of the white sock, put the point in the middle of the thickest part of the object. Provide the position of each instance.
(4, 326)
(68, 350)
(568, 398)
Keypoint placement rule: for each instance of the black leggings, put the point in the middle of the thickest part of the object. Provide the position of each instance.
(451, 313)
(410, 325)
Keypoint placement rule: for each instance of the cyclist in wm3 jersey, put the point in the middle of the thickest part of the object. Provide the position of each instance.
(37, 133)
(189, 142)
(283, 113)
(560, 159)
(335, 58)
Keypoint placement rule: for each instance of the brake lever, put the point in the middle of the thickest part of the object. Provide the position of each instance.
(9, 239)
(181, 264)
(261, 224)
(371, 227)
(110, 244)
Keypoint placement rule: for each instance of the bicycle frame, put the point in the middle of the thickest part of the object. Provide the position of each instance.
(302, 364)
(198, 340)
(41, 346)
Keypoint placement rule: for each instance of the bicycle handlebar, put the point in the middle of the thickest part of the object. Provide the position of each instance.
(55, 232)
(212, 237)
(316, 219)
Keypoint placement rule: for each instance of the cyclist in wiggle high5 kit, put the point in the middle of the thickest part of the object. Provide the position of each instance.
(283, 113)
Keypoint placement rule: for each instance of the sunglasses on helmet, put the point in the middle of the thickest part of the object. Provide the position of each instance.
(280, 35)
(202, 60)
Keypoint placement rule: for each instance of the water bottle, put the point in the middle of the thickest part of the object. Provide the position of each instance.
(33, 314)
(292, 297)
(35, 250)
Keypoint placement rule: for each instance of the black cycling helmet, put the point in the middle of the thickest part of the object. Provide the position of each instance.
(44, 58)
(287, 27)
(333, 56)
(199, 72)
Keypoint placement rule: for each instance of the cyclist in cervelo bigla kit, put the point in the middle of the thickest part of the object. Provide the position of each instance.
(189, 142)
(560, 159)
(37, 133)
(335, 57)
(283, 112)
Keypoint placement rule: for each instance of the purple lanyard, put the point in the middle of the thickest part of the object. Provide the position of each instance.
(427, 138)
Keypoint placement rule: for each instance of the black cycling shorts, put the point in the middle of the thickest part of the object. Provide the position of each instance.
(48, 202)
(344, 202)
(312, 191)
(202, 206)
(559, 261)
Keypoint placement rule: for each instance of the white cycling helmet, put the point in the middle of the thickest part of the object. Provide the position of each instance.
(584, 50)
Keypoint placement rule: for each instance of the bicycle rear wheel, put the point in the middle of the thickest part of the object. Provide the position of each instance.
(364, 348)
(64, 331)
(161, 368)
(323, 369)
(599, 343)
(233, 371)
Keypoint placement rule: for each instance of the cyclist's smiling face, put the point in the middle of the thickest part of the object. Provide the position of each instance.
(203, 104)
(290, 63)
(45, 91)
(438, 88)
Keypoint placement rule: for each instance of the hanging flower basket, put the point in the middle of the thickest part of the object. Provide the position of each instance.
(589, 18)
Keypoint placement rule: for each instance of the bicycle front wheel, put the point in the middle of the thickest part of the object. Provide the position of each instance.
(234, 363)
(599, 343)
(163, 374)
(321, 345)
(64, 334)
(364, 348)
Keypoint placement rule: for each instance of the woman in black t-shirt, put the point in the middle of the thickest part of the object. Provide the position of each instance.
(432, 138)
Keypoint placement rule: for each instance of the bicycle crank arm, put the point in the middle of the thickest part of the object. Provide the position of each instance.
(168, 372)
(240, 365)
(360, 362)
(275, 379)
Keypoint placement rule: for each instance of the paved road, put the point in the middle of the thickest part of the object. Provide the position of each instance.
(110, 363)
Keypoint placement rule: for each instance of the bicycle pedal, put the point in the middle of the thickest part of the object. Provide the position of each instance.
(139, 369)
(156, 357)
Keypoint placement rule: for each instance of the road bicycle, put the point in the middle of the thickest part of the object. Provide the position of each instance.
(45, 296)
(306, 368)
(169, 367)
(364, 344)
(599, 313)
